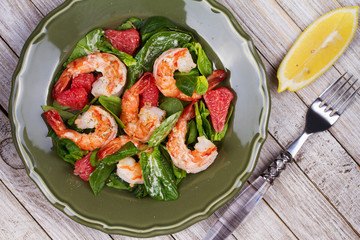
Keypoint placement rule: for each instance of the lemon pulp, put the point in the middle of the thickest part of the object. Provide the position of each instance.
(317, 48)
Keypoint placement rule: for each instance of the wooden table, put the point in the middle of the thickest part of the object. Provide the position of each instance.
(317, 197)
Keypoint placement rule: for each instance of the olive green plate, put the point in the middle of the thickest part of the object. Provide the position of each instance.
(115, 211)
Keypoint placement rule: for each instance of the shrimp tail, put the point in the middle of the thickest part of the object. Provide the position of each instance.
(62, 84)
(114, 145)
(189, 112)
(143, 83)
(55, 121)
(215, 78)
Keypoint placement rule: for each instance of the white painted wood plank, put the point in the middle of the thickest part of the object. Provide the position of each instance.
(8, 61)
(288, 112)
(13, 175)
(301, 206)
(284, 98)
(23, 226)
(261, 222)
(18, 18)
(46, 6)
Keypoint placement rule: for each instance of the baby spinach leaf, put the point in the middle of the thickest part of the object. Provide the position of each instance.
(171, 106)
(52, 134)
(156, 45)
(159, 179)
(178, 173)
(64, 114)
(201, 85)
(105, 46)
(198, 120)
(68, 150)
(128, 150)
(193, 50)
(93, 158)
(153, 25)
(116, 182)
(112, 104)
(87, 45)
(186, 81)
(203, 63)
(192, 133)
(163, 130)
(221, 135)
(187, 84)
(99, 175)
(57, 105)
(132, 22)
(193, 73)
(204, 112)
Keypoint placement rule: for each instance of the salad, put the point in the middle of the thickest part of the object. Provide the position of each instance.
(138, 107)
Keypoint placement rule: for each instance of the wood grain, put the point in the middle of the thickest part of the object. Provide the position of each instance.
(315, 198)
(18, 18)
(8, 62)
(54, 222)
(20, 227)
(285, 126)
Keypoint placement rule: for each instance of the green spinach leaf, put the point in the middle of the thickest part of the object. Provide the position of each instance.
(203, 63)
(187, 84)
(163, 130)
(204, 112)
(178, 173)
(113, 105)
(192, 73)
(159, 178)
(128, 150)
(201, 85)
(105, 46)
(88, 44)
(171, 106)
(57, 105)
(156, 45)
(132, 22)
(192, 133)
(64, 114)
(153, 25)
(68, 150)
(93, 158)
(138, 190)
(198, 120)
(99, 175)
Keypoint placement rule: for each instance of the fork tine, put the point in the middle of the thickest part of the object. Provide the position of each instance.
(343, 94)
(326, 92)
(331, 98)
(345, 104)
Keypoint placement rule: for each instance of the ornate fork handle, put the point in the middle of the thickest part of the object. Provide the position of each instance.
(320, 117)
(276, 167)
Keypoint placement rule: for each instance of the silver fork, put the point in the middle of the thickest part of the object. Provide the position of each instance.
(322, 114)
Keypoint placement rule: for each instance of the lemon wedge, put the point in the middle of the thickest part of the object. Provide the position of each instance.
(317, 48)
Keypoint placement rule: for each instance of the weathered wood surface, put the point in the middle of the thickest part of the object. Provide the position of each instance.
(317, 197)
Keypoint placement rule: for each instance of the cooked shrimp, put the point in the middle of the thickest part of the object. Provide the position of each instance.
(140, 125)
(191, 161)
(179, 59)
(130, 171)
(96, 117)
(114, 145)
(110, 83)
